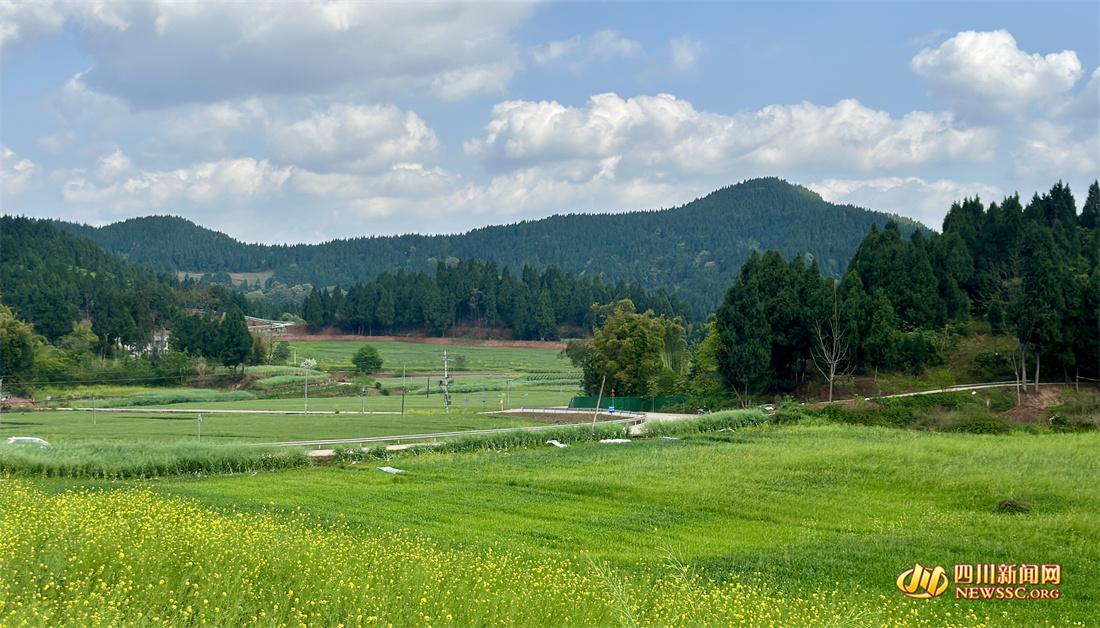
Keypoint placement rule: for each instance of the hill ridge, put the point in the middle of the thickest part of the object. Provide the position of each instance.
(694, 250)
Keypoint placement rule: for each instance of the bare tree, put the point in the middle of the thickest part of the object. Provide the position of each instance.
(831, 353)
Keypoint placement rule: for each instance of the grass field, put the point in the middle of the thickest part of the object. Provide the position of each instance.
(249, 428)
(425, 357)
(770, 526)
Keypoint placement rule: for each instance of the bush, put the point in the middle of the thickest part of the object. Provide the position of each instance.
(367, 360)
(984, 424)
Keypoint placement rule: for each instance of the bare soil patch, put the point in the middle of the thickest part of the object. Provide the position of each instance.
(20, 403)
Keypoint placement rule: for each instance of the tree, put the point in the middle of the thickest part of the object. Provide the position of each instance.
(236, 341)
(280, 351)
(627, 349)
(831, 351)
(259, 351)
(367, 360)
(313, 310)
(17, 348)
(744, 333)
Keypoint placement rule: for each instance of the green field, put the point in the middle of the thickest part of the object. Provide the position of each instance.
(425, 357)
(771, 526)
(63, 426)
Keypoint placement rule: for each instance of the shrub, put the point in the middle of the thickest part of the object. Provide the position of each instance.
(984, 424)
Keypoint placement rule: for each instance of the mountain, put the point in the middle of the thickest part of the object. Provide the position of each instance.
(694, 250)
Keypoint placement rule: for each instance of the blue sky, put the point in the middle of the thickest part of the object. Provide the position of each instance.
(308, 121)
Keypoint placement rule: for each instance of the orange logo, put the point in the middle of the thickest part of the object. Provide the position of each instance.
(923, 582)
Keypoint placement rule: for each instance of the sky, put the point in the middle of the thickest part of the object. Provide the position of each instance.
(287, 121)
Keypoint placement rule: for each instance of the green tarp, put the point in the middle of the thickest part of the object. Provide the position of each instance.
(629, 404)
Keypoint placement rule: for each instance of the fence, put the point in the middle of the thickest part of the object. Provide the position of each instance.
(629, 404)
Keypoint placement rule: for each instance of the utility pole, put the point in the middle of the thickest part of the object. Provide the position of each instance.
(200, 427)
(364, 394)
(445, 384)
(307, 394)
(402, 389)
(598, 399)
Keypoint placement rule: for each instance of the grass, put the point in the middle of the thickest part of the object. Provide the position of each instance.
(170, 396)
(118, 460)
(804, 525)
(59, 427)
(290, 380)
(425, 357)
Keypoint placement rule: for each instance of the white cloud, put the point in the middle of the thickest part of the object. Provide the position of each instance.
(464, 82)
(984, 75)
(57, 142)
(685, 53)
(1054, 151)
(76, 103)
(657, 133)
(1086, 104)
(186, 52)
(926, 201)
(25, 21)
(17, 175)
(112, 166)
(578, 52)
(239, 180)
(207, 127)
(359, 136)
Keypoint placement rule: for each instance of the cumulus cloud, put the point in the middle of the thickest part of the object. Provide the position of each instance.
(1086, 104)
(926, 201)
(207, 52)
(653, 133)
(1053, 151)
(239, 180)
(577, 52)
(17, 175)
(112, 166)
(359, 136)
(984, 75)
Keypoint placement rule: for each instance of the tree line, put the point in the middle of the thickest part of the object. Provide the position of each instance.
(694, 251)
(1029, 272)
(534, 305)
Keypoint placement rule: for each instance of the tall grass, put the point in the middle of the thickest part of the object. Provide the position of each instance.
(179, 395)
(271, 369)
(290, 380)
(117, 461)
(706, 423)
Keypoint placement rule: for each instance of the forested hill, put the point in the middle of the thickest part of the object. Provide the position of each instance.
(694, 250)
